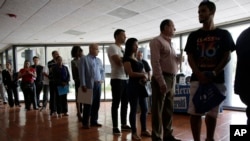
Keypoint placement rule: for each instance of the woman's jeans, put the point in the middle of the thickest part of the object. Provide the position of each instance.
(29, 94)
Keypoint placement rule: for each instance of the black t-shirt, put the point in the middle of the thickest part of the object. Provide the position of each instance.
(208, 48)
(146, 65)
(39, 73)
(136, 66)
(134, 86)
(241, 84)
(51, 63)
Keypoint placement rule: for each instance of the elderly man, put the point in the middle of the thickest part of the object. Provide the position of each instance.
(165, 66)
(91, 73)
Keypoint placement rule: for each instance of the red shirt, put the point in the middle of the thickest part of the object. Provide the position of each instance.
(26, 77)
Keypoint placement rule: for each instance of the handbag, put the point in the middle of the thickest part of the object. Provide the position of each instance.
(207, 97)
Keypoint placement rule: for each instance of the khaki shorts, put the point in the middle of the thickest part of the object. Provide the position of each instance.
(191, 108)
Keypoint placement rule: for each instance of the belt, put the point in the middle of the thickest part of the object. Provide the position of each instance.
(168, 74)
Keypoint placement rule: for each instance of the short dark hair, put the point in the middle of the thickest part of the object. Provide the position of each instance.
(210, 5)
(74, 50)
(117, 32)
(35, 57)
(164, 23)
(53, 52)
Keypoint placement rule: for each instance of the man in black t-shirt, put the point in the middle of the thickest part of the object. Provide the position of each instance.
(147, 69)
(52, 87)
(242, 77)
(39, 78)
(208, 50)
(146, 66)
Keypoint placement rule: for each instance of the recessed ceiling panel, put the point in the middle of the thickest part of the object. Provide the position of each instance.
(123, 13)
(141, 5)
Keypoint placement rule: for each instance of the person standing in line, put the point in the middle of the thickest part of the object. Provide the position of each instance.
(76, 53)
(45, 87)
(2, 91)
(10, 79)
(52, 88)
(28, 75)
(118, 82)
(61, 78)
(164, 63)
(208, 50)
(241, 85)
(147, 69)
(137, 75)
(91, 74)
(39, 79)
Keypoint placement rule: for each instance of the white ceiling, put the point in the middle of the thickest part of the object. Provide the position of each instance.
(81, 21)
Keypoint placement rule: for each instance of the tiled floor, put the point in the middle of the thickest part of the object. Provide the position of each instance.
(16, 124)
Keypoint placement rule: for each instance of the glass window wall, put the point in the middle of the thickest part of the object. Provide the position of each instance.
(27, 53)
(178, 42)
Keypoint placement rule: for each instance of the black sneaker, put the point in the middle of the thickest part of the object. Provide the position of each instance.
(116, 131)
(126, 128)
(171, 138)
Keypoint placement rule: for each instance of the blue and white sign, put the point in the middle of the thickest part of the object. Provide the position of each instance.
(181, 98)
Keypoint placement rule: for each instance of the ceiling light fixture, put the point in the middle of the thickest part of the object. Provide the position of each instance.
(123, 13)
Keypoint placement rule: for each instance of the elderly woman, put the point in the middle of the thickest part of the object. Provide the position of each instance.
(61, 77)
(28, 75)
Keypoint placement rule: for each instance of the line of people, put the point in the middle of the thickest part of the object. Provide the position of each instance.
(34, 79)
(88, 73)
(208, 50)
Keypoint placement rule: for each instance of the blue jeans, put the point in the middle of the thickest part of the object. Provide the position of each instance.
(92, 110)
(133, 100)
(118, 88)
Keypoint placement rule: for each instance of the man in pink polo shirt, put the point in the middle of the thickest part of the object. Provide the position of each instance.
(164, 63)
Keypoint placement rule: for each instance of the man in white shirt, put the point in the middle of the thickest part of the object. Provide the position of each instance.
(118, 82)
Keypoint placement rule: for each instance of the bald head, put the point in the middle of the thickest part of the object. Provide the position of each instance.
(139, 55)
(93, 49)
